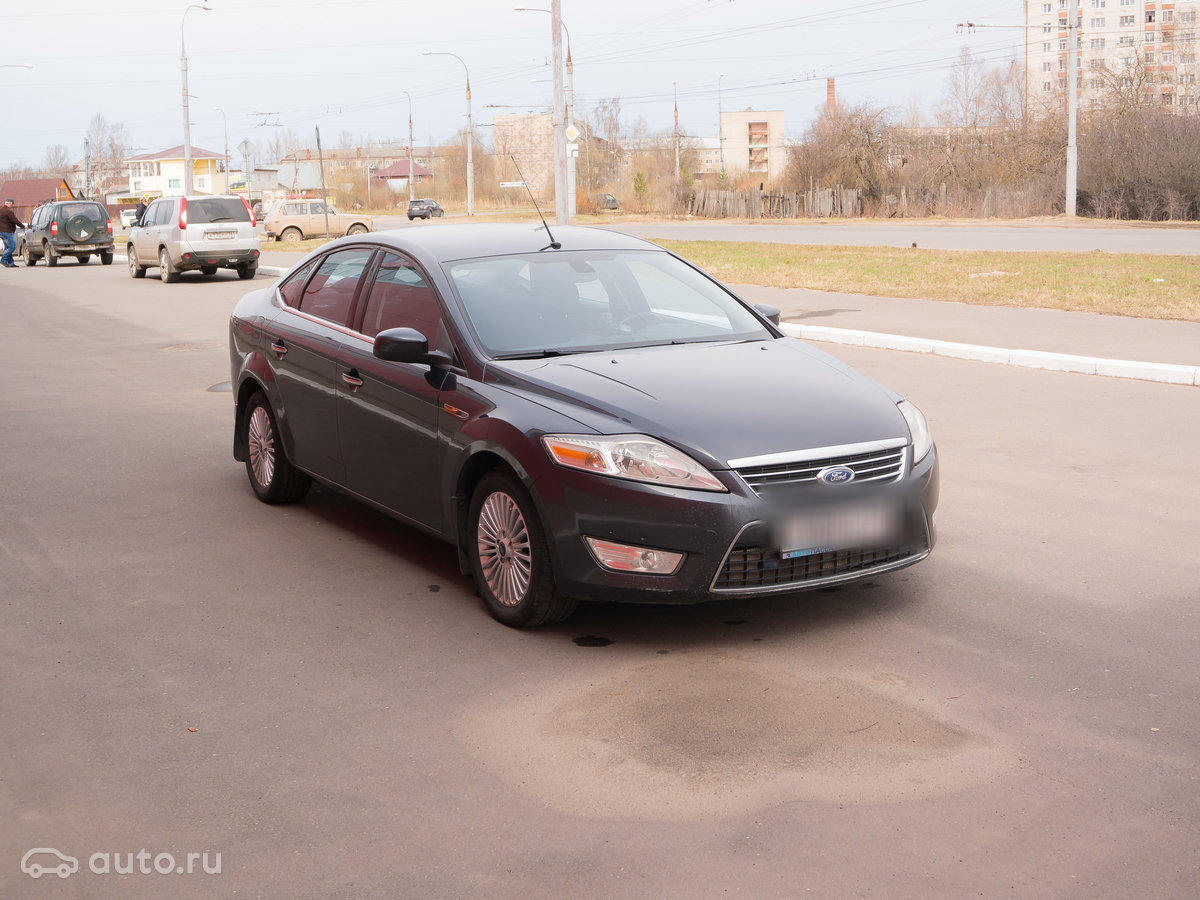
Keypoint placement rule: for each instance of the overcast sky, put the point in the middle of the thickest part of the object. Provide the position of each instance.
(341, 65)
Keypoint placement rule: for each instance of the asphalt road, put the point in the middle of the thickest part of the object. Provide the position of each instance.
(315, 694)
(1022, 235)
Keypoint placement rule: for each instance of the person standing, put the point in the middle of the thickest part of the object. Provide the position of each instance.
(9, 223)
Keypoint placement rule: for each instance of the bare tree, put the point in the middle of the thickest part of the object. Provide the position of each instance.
(960, 106)
(57, 162)
(107, 143)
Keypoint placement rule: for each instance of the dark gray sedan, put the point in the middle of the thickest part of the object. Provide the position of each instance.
(584, 416)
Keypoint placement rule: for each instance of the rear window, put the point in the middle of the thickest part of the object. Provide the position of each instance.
(207, 210)
(93, 211)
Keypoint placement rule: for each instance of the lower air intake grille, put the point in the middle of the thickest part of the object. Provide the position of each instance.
(750, 568)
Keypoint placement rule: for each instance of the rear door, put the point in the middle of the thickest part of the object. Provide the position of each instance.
(307, 334)
(147, 238)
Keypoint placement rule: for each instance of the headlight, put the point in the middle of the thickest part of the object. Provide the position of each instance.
(633, 456)
(918, 429)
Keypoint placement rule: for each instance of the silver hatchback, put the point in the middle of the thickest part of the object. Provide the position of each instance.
(181, 234)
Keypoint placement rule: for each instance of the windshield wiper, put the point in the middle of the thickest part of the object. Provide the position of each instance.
(535, 354)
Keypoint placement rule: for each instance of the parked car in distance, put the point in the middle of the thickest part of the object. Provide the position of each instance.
(606, 201)
(295, 220)
(78, 228)
(584, 416)
(423, 209)
(128, 217)
(203, 233)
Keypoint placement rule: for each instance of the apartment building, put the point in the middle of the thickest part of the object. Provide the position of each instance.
(1129, 50)
(752, 142)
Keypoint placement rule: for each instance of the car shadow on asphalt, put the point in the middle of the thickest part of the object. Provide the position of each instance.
(596, 624)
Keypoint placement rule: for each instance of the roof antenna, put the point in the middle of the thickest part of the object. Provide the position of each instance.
(553, 245)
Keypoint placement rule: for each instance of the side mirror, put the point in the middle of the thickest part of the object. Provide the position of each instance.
(406, 345)
(771, 313)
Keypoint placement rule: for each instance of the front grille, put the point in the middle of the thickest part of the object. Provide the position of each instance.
(881, 463)
(755, 568)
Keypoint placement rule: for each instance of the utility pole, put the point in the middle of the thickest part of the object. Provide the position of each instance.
(561, 213)
(1072, 104)
(675, 88)
(324, 195)
(87, 163)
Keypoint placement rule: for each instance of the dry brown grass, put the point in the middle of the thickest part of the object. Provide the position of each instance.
(1154, 287)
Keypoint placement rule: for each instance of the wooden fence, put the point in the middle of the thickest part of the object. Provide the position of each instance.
(816, 203)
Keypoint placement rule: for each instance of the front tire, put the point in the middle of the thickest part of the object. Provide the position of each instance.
(510, 558)
(135, 271)
(273, 478)
(357, 229)
(165, 272)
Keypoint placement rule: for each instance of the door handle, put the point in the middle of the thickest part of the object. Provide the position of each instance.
(280, 348)
(352, 378)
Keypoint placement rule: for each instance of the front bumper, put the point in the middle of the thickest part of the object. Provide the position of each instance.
(725, 537)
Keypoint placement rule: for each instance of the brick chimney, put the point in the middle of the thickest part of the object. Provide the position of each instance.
(830, 95)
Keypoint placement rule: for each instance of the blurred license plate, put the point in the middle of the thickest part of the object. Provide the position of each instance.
(837, 528)
(221, 235)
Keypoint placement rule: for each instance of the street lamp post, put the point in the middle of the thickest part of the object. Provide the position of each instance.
(410, 140)
(187, 128)
(470, 131)
(720, 127)
(226, 123)
(564, 165)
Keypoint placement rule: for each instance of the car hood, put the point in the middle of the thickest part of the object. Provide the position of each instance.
(716, 401)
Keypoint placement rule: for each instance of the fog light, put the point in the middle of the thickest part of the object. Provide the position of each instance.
(631, 558)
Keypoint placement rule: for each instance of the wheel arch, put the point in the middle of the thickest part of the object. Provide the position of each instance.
(251, 382)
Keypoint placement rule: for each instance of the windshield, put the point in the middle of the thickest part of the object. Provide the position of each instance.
(576, 301)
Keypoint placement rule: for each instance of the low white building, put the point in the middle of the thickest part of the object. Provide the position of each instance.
(161, 174)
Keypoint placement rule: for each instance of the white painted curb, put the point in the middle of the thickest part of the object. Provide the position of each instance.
(1029, 359)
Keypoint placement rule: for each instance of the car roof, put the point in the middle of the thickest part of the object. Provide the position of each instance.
(451, 242)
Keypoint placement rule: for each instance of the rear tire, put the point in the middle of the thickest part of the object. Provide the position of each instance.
(106, 257)
(51, 256)
(246, 271)
(165, 272)
(30, 259)
(510, 558)
(292, 235)
(273, 479)
(208, 270)
(83, 258)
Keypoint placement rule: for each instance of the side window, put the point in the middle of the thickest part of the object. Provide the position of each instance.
(293, 209)
(291, 288)
(317, 208)
(400, 298)
(162, 212)
(329, 294)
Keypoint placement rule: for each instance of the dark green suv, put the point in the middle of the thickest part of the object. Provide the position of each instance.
(75, 228)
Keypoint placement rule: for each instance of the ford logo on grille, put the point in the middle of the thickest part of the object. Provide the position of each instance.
(836, 475)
